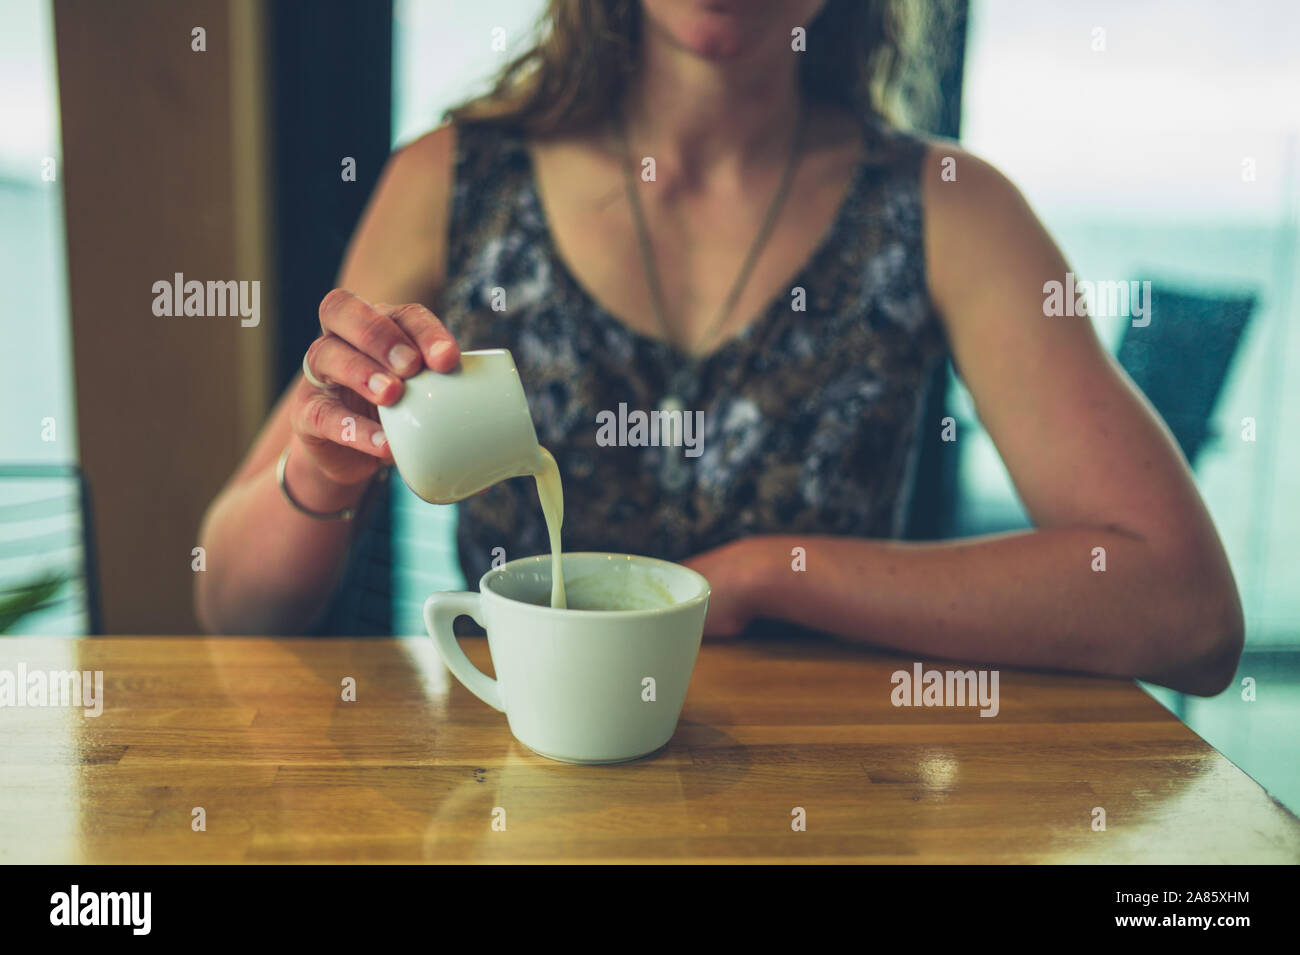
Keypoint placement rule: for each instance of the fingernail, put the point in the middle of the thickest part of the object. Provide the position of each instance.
(402, 356)
(378, 383)
(379, 439)
(439, 348)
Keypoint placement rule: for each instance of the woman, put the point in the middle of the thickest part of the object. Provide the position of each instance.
(683, 202)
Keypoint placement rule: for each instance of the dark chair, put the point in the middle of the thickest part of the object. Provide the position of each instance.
(1180, 360)
(47, 533)
(932, 503)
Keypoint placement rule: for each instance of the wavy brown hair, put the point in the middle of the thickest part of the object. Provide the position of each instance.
(857, 57)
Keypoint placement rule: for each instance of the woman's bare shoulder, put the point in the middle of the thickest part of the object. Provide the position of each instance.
(960, 187)
(427, 163)
(398, 251)
(979, 228)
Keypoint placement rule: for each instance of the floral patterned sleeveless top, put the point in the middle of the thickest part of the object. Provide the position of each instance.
(810, 416)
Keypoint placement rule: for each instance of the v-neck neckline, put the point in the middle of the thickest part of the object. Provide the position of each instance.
(764, 317)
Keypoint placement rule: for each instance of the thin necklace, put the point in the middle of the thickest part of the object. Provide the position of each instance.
(684, 381)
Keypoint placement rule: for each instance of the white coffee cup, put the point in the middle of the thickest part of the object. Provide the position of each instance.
(581, 686)
(453, 434)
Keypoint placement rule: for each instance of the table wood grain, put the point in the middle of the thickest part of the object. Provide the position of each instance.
(255, 733)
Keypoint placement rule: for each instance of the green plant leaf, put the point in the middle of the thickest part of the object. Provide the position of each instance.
(19, 603)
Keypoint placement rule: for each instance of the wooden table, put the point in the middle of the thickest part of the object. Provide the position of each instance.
(254, 731)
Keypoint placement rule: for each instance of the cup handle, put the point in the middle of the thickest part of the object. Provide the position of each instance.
(439, 612)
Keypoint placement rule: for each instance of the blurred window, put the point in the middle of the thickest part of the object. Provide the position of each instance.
(40, 493)
(1158, 141)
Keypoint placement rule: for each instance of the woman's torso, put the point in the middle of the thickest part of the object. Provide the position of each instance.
(810, 413)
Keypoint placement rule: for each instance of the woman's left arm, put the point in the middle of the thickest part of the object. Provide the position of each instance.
(1093, 464)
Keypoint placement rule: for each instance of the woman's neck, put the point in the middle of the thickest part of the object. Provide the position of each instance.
(700, 118)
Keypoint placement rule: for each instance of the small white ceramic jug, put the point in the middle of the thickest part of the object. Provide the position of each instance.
(454, 434)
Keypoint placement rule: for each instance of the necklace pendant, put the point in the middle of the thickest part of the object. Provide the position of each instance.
(673, 472)
(670, 403)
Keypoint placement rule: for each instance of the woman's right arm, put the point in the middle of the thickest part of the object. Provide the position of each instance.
(271, 569)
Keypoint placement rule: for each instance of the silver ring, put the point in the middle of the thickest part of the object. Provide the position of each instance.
(316, 382)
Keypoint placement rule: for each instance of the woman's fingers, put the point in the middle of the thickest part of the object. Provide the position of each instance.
(336, 362)
(369, 331)
(367, 349)
(323, 416)
(440, 351)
